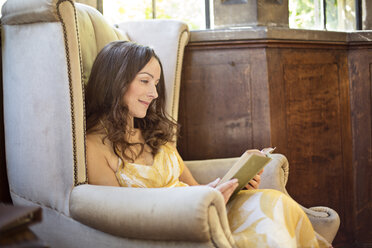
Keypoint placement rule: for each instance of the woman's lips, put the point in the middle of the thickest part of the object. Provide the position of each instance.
(144, 102)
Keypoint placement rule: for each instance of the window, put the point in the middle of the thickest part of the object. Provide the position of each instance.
(323, 14)
(340, 15)
(194, 12)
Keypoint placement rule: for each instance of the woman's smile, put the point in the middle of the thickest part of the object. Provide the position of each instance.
(146, 103)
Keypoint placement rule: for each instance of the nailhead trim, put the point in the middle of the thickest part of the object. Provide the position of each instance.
(73, 125)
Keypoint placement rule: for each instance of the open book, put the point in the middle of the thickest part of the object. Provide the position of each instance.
(246, 168)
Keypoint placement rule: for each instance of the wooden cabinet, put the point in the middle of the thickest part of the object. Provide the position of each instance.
(312, 100)
(224, 102)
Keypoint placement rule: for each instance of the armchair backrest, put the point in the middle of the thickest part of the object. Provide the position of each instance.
(48, 49)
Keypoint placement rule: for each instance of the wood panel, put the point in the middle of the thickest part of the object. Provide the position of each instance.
(314, 138)
(312, 127)
(360, 67)
(220, 104)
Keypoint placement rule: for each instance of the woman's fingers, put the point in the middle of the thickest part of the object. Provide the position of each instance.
(227, 194)
(257, 178)
(254, 183)
(257, 152)
(227, 188)
(214, 183)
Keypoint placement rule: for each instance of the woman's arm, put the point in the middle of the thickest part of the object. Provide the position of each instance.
(99, 170)
(187, 177)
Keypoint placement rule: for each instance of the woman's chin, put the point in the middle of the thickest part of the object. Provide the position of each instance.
(141, 115)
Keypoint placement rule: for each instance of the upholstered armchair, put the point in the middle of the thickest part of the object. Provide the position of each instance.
(48, 48)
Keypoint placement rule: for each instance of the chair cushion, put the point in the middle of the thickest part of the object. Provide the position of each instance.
(94, 33)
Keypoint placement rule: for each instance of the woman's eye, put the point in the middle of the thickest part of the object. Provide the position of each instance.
(144, 81)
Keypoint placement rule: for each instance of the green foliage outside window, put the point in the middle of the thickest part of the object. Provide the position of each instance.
(305, 14)
(309, 14)
(331, 14)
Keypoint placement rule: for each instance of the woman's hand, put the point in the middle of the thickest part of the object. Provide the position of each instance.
(255, 182)
(226, 189)
(257, 152)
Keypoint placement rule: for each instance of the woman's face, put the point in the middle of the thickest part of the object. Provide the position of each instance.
(142, 90)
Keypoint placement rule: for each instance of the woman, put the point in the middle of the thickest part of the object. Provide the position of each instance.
(130, 143)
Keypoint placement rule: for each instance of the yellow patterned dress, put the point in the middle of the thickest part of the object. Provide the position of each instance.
(257, 218)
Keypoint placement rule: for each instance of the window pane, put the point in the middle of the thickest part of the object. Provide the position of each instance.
(350, 15)
(190, 11)
(117, 11)
(341, 15)
(305, 14)
(332, 14)
(309, 14)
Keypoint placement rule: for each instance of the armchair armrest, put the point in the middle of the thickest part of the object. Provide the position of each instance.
(195, 214)
(325, 221)
(275, 174)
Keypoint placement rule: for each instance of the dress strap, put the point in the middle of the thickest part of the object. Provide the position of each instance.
(103, 125)
(120, 164)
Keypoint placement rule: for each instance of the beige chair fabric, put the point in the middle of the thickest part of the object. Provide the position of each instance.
(48, 50)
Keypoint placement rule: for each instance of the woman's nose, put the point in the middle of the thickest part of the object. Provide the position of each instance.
(153, 91)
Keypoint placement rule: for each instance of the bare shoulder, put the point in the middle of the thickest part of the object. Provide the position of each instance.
(99, 160)
(98, 147)
(94, 139)
(96, 142)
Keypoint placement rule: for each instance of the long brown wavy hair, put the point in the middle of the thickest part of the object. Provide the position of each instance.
(114, 68)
